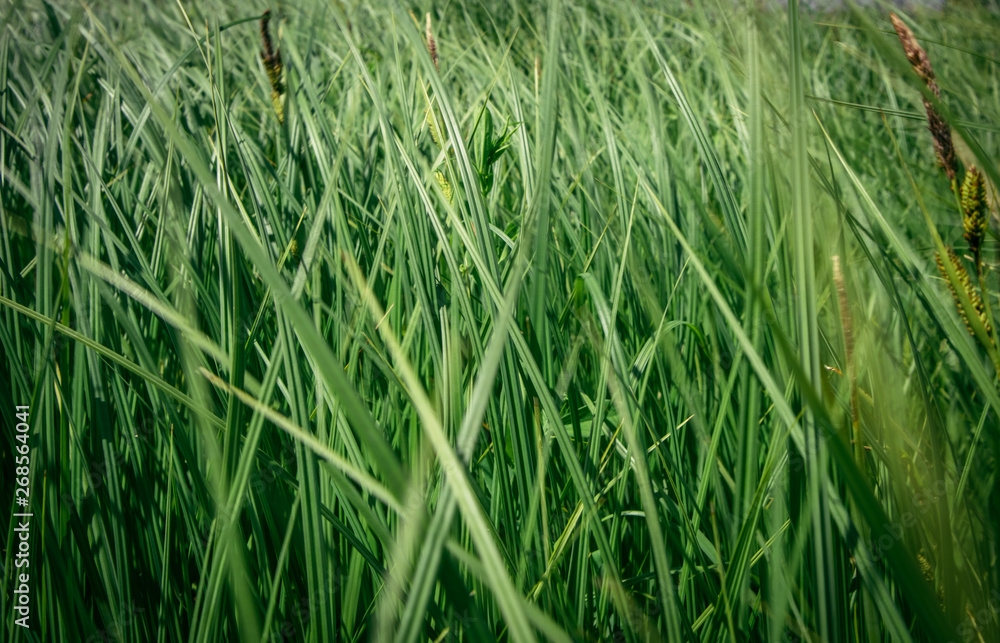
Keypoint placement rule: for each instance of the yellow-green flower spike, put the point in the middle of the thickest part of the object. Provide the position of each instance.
(974, 219)
(432, 126)
(445, 186)
(970, 291)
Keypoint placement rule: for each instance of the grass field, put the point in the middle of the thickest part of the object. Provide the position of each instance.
(581, 321)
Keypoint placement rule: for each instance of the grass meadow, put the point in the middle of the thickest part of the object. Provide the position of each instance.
(468, 321)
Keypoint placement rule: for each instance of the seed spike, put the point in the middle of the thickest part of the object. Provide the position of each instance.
(944, 149)
(265, 34)
(970, 291)
(974, 219)
(271, 58)
(445, 186)
(431, 44)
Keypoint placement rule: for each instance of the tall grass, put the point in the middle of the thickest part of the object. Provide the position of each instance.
(594, 321)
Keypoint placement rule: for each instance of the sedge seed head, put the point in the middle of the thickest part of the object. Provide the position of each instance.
(271, 58)
(966, 283)
(445, 186)
(432, 125)
(914, 52)
(925, 568)
(944, 149)
(974, 219)
(265, 34)
(431, 44)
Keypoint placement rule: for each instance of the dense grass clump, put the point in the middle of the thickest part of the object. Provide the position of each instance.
(589, 321)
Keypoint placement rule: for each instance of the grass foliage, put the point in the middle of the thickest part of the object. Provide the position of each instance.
(594, 321)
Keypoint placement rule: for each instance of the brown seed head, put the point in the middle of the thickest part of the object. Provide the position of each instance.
(431, 44)
(944, 149)
(914, 52)
(271, 58)
(265, 34)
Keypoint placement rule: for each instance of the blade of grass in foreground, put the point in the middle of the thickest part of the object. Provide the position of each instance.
(318, 351)
(826, 581)
(482, 535)
(901, 561)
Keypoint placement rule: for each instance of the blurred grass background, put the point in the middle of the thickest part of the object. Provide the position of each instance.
(603, 322)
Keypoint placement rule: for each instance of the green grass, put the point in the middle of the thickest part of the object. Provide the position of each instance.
(567, 335)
